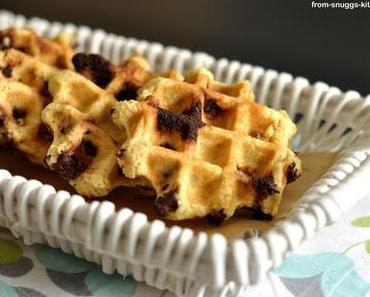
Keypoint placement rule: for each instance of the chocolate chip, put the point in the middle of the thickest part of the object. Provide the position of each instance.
(216, 218)
(166, 203)
(292, 173)
(265, 186)
(68, 166)
(19, 113)
(71, 165)
(211, 108)
(258, 214)
(128, 91)
(90, 148)
(7, 71)
(44, 132)
(187, 122)
(94, 67)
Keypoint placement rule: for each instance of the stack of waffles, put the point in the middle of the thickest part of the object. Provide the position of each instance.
(204, 148)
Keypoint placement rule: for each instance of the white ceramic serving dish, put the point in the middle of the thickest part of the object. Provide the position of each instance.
(176, 258)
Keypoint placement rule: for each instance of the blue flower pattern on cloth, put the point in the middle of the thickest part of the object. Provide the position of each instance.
(333, 274)
(87, 277)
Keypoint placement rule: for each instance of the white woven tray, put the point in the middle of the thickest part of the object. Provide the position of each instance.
(176, 258)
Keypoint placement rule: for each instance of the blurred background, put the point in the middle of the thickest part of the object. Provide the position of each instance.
(331, 45)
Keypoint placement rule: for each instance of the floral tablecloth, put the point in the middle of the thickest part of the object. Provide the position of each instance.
(335, 263)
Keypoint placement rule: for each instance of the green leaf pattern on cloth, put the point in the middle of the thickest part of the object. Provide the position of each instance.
(316, 274)
(10, 252)
(362, 222)
(72, 275)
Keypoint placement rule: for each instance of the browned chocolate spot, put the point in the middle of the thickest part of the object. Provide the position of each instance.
(90, 148)
(216, 218)
(19, 113)
(264, 186)
(166, 203)
(211, 108)
(71, 165)
(68, 166)
(187, 122)
(292, 173)
(44, 132)
(7, 71)
(94, 67)
(128, 91)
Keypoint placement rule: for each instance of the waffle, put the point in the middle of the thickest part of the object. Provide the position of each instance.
(81, 152)
(71, 88)
(20, 122)
(57, 52)
(206, 153)
(26, 63)
(80, 121)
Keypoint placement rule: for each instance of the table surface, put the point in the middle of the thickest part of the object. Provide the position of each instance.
(334, 263)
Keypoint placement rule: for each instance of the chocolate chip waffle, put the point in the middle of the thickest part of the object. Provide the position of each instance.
(20, 122)
(83, 153)
(56, 52)
(206, 153)
(26, 63)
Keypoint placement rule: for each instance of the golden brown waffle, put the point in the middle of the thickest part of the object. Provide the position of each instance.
(204, 152)
(80, 112)
(71, 88)
(85, 140)
(26, 62)
(28, 70)
(20, 122)
(57, 52)
(82, 153)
